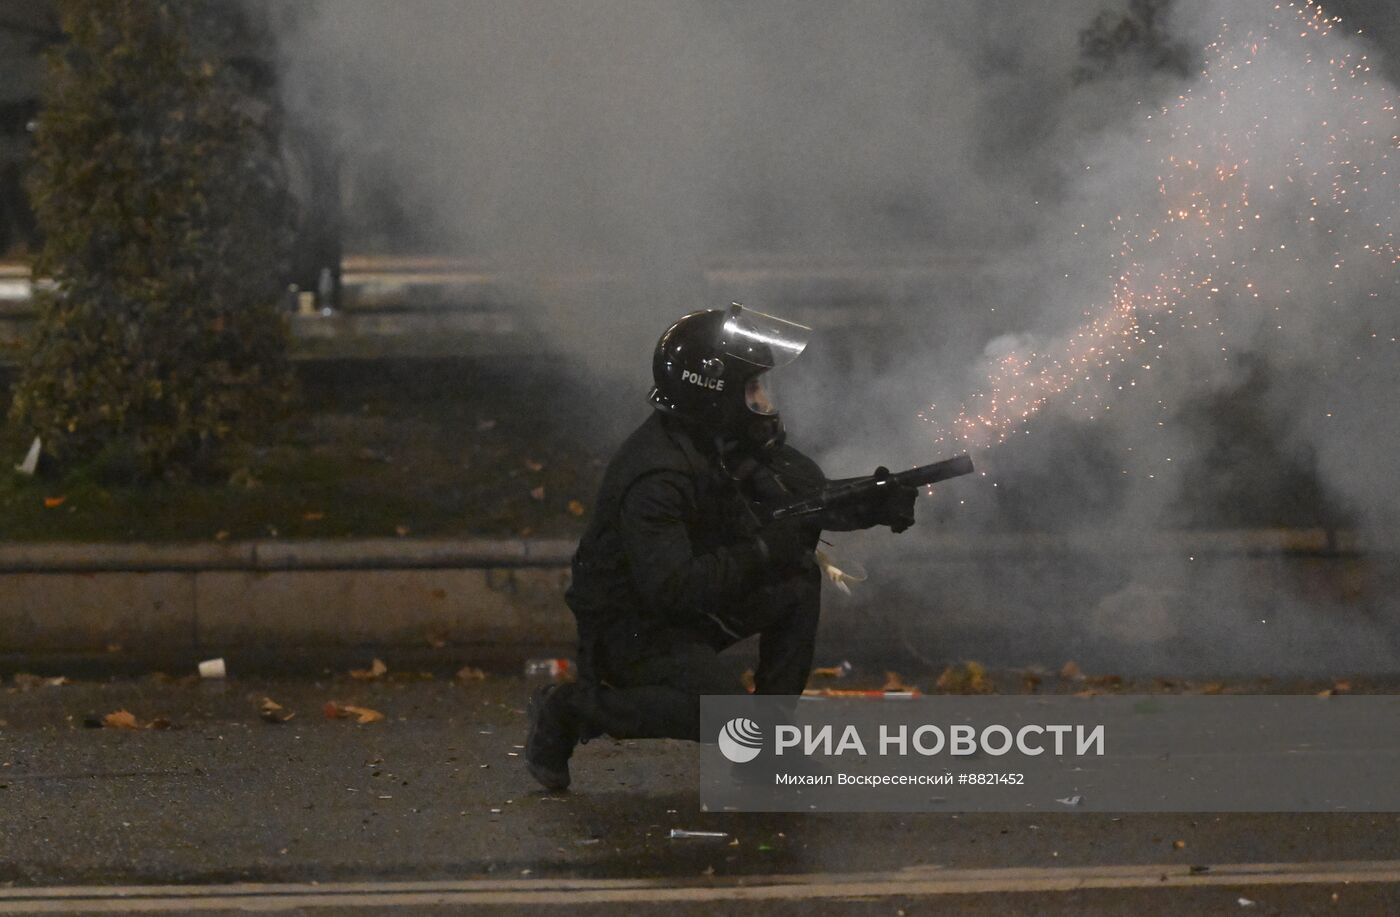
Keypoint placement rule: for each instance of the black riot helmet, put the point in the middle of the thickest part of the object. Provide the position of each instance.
(706, 369)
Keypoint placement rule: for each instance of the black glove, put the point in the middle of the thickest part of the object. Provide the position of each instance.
(896, 505)
(786, 543)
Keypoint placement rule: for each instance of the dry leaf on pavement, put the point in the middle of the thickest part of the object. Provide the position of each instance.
(273, 712)
(470, 673)
(121, 719)
(376, 669)
(361, 715)
(893, 682)
(968, 678)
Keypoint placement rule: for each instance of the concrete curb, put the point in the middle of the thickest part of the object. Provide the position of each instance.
(185, 600)
(348, 554)
(182, 600)
(505, 553)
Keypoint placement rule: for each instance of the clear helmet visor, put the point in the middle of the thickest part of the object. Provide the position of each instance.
(762, 340)
(757, 397)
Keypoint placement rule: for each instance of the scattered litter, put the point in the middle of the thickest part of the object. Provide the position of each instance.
(841, 579)
(376, 669)
(470, 673)
(1070, 671)
(872, 693)
(54, 502)
(31, 459)
(682, 834)
(362, 715)
(121, 719)
(213, 668)
(840, 670)
(1199, 870)
(273, 712)
(576, 507)
(765, 848)
(25, 682)
(125, 719)
(484, 425)
(1071, 800)
(1245, 902)
(588, 841)
(553, 668)
(968, 678)
(893, 682)
(1339, 687)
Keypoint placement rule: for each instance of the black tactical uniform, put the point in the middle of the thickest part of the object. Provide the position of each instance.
(675, 567)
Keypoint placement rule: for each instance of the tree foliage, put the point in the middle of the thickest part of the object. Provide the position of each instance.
(159, 191)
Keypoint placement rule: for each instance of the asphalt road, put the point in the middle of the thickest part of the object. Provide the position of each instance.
(430, 811)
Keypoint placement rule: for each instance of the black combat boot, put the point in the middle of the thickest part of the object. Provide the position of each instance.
(554, 731)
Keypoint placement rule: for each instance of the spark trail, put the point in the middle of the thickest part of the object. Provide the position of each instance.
(1274, 198)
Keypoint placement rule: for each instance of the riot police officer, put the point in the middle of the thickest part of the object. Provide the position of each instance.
(675, 566)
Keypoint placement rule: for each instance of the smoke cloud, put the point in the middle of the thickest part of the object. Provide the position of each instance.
(646, 141)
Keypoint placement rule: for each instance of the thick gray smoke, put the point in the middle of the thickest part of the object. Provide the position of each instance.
(647, 140)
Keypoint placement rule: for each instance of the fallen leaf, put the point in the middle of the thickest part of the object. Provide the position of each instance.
(532, 465)
(401, 530)
(121, 719)
(576, 508)
(52, 502)
(376, 669)
(221, 535)
(747, 681)
(1071, 672)
(968, 678)
(1105, 681)
(361, 715)
(160, 722)
(1030, 682)
(314, 516)
(1178, 845)
(537, 493)
(894, 683)
(470, 673)
(831, 671)
(273, 712)
(1213, 687)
